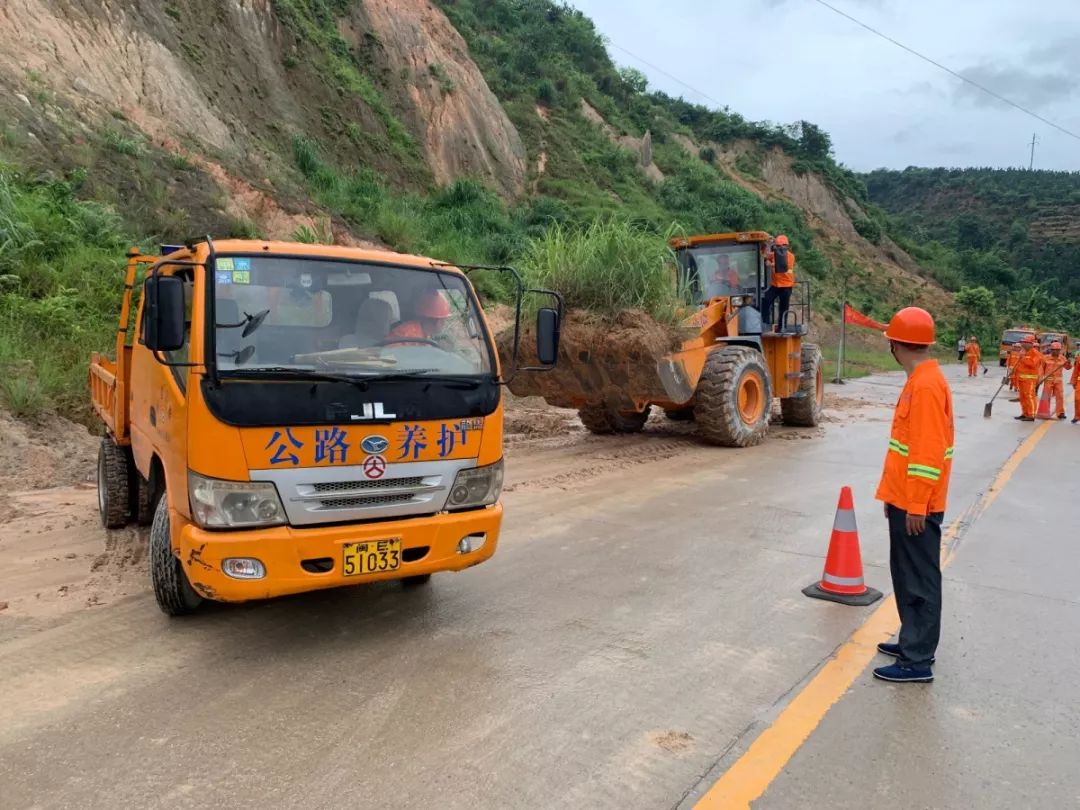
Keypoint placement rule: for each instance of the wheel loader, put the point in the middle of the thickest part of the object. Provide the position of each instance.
(731, 364)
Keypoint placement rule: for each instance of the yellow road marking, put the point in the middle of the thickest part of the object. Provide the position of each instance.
(752, 773)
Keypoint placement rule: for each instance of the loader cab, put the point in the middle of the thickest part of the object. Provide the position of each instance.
(732, 266)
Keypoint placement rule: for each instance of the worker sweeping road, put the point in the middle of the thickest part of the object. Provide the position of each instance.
(1029, 368)
(974, 355)
(1052, 368)
(1075, 381)
(913, 487)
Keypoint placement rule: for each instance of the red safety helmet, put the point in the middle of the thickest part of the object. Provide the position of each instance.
(781, 240)
(433, 305)
(912, 325)
(1055, 345)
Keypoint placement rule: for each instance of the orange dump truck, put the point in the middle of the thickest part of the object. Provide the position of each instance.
(291, 417)
(1010, 337)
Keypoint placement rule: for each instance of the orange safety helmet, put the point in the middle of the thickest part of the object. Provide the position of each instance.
(1029, 338)
(781, 240)
(912, 325)
(433, 305)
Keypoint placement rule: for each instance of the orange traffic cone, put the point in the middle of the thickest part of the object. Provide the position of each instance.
(842, 580)
(1044, 403)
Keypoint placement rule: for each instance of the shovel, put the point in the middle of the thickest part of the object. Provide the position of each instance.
(990, 405)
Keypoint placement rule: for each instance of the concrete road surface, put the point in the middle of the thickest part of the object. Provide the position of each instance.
(640, 626)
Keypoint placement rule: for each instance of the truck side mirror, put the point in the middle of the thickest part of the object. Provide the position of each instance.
(163, 308)
(547, 336)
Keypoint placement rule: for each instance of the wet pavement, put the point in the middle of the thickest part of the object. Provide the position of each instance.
(633, 634)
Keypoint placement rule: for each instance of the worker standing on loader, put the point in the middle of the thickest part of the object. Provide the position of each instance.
(781, 262)
(1052, 371)
(1074, 381)
(1029, 368)
(914, 486)
(974, 354)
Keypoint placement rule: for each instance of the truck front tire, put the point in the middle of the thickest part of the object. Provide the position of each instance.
(173, 592)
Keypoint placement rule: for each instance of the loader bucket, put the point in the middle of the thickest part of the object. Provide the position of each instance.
(625, 364)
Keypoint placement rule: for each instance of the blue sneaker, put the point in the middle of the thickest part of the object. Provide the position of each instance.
(894, 650)
(899, 674)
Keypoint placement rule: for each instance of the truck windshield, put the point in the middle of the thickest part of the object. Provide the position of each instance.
(1014, 336)
(712, 271)
(349, 318)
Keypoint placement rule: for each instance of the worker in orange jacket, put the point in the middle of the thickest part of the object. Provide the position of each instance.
(1015, 352)
(974, 355)
(780, 261)
(1053, 365)
(914, 486)
(1074, 381)
(1028, 372)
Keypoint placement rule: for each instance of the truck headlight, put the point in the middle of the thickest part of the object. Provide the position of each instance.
(479, 486)
(217, 504)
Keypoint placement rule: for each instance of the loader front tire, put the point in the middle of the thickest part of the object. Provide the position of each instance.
(112, 484)
(603, 420)
(173, 591)
(804, 409)
(734, 398)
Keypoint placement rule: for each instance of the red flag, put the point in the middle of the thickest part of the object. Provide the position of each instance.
(852, 315)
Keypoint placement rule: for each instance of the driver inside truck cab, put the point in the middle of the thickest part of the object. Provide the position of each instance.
(430, 313)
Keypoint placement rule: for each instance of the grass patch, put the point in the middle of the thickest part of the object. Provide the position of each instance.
(608, 267)
(122, 144)
(61, 277)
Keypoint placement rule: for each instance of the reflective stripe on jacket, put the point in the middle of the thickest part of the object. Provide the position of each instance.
(919, 459)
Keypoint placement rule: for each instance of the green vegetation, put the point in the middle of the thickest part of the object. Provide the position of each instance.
(1008, 232)
(61, 277)
(606, 267)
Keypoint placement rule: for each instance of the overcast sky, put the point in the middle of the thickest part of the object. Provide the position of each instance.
(785, 60)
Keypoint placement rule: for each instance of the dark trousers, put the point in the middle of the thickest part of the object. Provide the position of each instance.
(915, 564)
(781, 294)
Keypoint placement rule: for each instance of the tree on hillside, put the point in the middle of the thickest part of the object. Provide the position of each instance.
(976, 302)
(814, 142)
(635, 79)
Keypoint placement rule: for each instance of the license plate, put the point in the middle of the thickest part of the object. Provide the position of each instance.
(372, 557)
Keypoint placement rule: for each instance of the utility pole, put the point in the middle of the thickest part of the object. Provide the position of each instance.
(1034, 140)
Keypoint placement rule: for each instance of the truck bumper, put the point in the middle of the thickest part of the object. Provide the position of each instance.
(428, 545)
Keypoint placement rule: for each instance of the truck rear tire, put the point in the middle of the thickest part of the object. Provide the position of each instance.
(734, 398)
(804, 410)
(173, 592)
(112, 484)
(602, 420)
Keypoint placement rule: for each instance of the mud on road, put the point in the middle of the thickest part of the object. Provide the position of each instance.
(55, 558)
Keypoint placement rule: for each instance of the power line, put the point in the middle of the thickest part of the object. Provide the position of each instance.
(660, 70)
(949, 70)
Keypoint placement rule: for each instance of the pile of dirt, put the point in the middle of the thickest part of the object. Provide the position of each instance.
(601, 358)
(47, 452)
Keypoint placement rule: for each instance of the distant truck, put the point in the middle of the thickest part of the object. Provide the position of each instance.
(1009, 337)
(1046, 338)
(290, 417)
